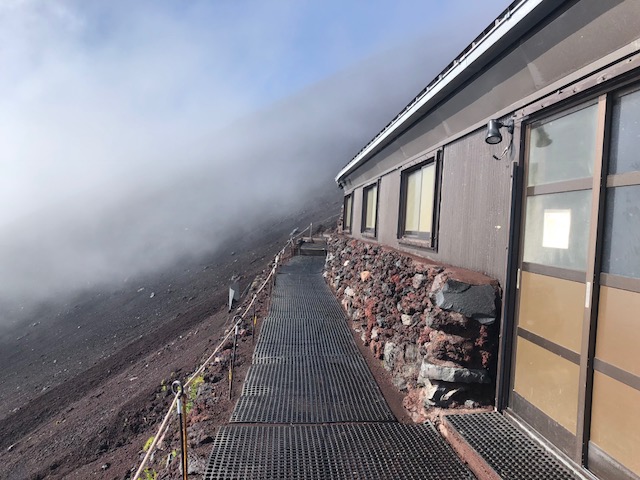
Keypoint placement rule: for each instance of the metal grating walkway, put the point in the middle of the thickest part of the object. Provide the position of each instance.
(508, 451)
(371, 451)
(311, 409)
(306, 366)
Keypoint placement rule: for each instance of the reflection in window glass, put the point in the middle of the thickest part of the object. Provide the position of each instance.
(427, 194)
(347, 212)
(420, 196)
(625, 134)
(412, 214)
(621, 255)
(557, 229)
(370, 206)
(563, 148)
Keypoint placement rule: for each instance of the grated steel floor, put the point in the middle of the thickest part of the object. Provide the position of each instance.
(303, 265)
(306, 366)
(328, 418)
(302, 329)
(306, 452)
(511, 453)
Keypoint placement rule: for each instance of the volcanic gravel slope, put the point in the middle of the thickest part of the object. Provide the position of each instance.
(82, 382)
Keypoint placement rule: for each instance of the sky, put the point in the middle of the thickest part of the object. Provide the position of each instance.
(133, 132)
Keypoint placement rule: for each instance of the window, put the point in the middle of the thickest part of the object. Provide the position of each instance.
(347, 213)
(418, 209)
(370, 209)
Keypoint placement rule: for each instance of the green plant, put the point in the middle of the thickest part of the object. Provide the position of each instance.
(149, 474)
(147, 444)
(193, 391)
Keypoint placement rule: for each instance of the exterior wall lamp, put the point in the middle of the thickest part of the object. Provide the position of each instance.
(493, 131)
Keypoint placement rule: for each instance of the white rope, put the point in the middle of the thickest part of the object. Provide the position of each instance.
(165, 421)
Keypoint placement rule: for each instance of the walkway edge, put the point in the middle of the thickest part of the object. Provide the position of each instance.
(474, 461)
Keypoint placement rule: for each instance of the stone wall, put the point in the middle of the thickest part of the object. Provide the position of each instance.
(434, 327)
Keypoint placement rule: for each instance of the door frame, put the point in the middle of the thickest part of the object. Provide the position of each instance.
(591, 88)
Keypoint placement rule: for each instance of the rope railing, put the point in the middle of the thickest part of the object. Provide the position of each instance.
(165, 421)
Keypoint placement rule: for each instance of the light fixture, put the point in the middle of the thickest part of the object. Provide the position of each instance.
(493, 131)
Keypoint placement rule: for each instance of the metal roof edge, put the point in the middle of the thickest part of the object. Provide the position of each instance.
(508, 19)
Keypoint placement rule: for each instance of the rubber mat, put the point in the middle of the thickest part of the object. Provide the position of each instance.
(310, 452)
(511, 453)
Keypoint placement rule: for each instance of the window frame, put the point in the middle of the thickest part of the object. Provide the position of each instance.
(421, 239)
(348, 199)
(370, 232)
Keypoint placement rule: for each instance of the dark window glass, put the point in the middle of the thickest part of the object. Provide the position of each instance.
(370, 199)
(563, 148)
(625, 134)
(622, 232)
(348, 208)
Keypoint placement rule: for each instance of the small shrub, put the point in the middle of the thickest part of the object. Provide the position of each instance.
(147, 444)
(193, 392)
(149, 474)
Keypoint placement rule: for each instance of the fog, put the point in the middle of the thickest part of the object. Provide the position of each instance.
(132, 135)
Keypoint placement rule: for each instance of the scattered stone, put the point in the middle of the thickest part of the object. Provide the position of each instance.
(431, 332)
(418, 280)
(374, 333)
(475, 301)
(389, 355)
(430, 371)
(196, 465)
(471, 404)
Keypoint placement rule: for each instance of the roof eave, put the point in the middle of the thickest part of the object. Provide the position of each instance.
(473, 59)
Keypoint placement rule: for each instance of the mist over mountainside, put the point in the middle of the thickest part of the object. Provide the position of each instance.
(240, 178)
(135, 134)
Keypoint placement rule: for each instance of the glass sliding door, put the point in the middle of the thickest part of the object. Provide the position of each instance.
(576, 375)
(561, 157)
(614, 440)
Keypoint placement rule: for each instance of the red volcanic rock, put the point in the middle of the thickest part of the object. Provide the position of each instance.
(413, 314)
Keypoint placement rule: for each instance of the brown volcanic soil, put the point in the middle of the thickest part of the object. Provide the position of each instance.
(60, 419)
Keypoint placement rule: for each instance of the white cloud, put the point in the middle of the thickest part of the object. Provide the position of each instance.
(123, 123)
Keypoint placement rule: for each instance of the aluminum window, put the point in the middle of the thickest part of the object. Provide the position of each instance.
(347, 213)
(419, 202)
(370, 209)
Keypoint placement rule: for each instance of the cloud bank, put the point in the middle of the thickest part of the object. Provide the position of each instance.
(133, 133)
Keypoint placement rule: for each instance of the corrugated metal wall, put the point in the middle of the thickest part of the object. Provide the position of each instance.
(584, 33)
(475, 197)
(474, 208)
